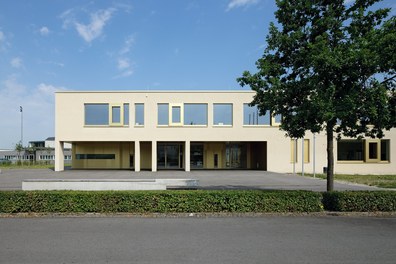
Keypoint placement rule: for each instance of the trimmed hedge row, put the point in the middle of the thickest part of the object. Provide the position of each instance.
(360, 201)
(239, 201)
(160, 201)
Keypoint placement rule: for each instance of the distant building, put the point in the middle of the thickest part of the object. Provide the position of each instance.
(38, 151)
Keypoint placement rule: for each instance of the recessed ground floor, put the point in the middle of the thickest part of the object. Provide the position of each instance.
(169, 155)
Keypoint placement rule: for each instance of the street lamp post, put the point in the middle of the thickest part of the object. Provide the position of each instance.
(21, 110)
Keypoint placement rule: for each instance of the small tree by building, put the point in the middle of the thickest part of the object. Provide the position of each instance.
(328, 67)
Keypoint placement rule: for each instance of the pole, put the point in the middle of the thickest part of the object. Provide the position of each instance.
(295, 156)
(21, 110)
(314, 154)
(302, 156)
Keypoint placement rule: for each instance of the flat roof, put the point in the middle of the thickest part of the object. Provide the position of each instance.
(161, 91)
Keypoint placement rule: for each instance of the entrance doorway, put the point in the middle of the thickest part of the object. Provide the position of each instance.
(170, 155)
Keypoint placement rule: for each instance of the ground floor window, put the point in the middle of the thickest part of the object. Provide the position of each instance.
(369, 150)
(94, 156)
(197, 156)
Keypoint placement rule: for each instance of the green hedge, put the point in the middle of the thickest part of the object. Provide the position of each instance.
(360, 201)
(160, 201)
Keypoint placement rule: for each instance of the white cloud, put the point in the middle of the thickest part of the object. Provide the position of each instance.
(16, 63)
(127, 45)
(123, 63)
(240, 3)
(94, 29)
(3, 41)
(38, 111)
(44, 31)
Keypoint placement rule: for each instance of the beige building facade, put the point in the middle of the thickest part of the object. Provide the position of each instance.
(192, 130)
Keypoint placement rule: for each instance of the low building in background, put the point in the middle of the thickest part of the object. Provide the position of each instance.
(187, 130)
(37, 151)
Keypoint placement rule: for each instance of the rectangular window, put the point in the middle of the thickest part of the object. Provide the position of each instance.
(176, 114)
(294, 150)
(163, 114)
(251, 116)
(126, 114)
(94, 156)
(372, 150)
(195, 114)
(139, 114)
(276, 120)
(116, 114)
(96, 114)
(385, 150)
(222, 114)
(350, 150)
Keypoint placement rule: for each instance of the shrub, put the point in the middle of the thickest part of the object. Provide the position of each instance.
(160, 201)
(360, 201)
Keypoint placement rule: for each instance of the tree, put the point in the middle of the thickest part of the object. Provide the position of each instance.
(328, 67)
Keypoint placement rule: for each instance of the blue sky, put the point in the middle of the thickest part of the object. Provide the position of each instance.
(51, 45)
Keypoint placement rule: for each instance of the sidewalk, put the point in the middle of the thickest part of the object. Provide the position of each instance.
(11, 179)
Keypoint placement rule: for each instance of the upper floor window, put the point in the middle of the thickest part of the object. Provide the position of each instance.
(163, 114)
(251, 116)
(96, 114)
(126, 114)
(139, 114)
(195, 114)
(176, 114)
(222, 114)
(103, 114)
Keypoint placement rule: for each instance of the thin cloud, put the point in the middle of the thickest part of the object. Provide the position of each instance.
(44, 31)
(94, 29)
(124, 64)
(240, 3)
(16, 63)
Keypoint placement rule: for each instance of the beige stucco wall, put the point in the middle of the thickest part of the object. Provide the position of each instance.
(69, 127)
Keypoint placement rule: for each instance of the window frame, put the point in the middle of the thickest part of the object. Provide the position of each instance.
(136, 112)
(181, 115)
(196, 125)
(111, 122)
(222, 124)
(96, 125)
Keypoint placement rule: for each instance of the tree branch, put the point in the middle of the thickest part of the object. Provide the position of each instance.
(389, 79)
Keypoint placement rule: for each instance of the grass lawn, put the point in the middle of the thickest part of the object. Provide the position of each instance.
(384, 181)
(25, 166)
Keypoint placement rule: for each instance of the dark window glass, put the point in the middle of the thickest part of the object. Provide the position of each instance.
(350, 150)
(95, 156)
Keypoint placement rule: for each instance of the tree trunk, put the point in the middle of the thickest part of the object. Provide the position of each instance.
(330, 158)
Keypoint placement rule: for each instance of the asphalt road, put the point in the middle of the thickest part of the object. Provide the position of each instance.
(268, 239)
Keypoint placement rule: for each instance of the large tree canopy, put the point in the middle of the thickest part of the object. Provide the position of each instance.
(328, 67)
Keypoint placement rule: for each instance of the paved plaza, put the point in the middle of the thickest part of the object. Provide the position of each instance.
(11, 179)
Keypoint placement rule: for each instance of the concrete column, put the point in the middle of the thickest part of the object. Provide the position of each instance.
(59, 156)
(154, 156)
(137, 155)
(187, 155)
